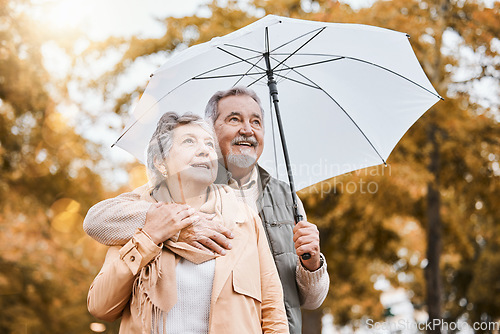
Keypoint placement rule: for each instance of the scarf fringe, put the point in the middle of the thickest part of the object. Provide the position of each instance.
(144, 282)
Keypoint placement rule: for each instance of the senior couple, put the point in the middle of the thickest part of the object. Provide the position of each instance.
(209, 245)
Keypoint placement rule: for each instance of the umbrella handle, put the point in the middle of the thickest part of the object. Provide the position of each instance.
(298, 218)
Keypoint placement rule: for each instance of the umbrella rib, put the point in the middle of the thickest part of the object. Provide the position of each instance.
(345, 112)
(309, 64)
(300, 47)
(305, 54)
(146, 111)
(194, 78)
(312, 83)
(356, 124)
(241, 75)
(359, 60)
(255, 81)
(197, 78)
(298, 81)
(242, 59)
(226, 65)
(260, 73)
(246, 61)
(243, 48)
(318, 31)
(246, 73)
(296, 38)
(227, 76)
(266, 39)
(395, 73)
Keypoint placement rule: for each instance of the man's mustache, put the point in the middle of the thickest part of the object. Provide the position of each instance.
(251, 140)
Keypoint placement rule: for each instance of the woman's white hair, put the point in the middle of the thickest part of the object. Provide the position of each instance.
(162, 140)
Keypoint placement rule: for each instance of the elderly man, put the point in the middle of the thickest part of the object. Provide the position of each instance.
(237, 117)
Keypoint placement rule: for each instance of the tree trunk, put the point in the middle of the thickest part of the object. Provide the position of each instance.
(432, 271)
(311, 321)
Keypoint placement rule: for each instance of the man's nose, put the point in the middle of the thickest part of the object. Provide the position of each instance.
(246, 129)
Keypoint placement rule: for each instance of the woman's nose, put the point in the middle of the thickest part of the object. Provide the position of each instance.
(202, 150)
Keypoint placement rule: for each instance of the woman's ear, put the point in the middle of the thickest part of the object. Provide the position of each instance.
(160, 166)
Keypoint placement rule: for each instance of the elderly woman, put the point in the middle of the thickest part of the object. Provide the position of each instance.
(173, 287)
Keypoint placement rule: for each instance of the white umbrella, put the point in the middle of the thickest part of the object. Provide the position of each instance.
(347, 92)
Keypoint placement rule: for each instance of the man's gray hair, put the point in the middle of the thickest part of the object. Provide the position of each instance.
(162, 140)
(212, 110)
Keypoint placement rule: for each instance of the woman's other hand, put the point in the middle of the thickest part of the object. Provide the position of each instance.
(207, 233)
(163, 221)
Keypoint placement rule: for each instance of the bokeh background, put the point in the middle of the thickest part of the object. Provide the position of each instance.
(405, 244)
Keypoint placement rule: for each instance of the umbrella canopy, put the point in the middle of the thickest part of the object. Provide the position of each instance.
(347, 92)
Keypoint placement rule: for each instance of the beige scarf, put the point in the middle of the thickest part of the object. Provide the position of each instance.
(155, 289)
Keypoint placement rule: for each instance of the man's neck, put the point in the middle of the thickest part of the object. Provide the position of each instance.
(241, 175)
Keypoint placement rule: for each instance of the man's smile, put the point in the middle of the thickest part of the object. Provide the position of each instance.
(244, 142)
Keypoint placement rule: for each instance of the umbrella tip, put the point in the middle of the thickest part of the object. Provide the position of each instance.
(408, 35)
(151, 75)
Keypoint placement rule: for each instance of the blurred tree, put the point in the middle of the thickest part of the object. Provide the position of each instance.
(180, 34)
(46, 186)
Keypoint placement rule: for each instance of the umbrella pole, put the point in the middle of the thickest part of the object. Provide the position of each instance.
(273, 91)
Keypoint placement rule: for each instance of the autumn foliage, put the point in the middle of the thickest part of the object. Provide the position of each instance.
(430, 219)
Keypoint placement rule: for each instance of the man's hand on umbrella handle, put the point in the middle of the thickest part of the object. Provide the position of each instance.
(207, 233)
(306, 239)
(163, 220)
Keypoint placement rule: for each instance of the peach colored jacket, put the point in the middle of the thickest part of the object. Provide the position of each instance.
(247, 295)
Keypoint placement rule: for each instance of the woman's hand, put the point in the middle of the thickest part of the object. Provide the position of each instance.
(201, 230)
(207, 233)
(163, 220)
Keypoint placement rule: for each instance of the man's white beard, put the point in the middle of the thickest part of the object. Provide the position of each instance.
(241, 160)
